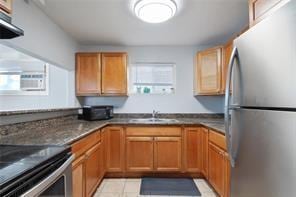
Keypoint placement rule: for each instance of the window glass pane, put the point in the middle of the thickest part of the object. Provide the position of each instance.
(9, 82)
(148, 78)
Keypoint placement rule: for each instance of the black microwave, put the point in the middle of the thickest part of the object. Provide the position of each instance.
(96, 112)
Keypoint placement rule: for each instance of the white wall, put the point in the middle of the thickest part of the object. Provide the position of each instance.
(182, 101)
(44, 40)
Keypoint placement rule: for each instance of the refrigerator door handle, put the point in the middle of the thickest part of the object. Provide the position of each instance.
(234, 57)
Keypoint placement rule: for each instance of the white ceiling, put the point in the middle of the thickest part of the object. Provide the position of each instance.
(111, 22)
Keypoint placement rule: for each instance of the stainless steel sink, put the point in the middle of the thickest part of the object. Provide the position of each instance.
(154, 120)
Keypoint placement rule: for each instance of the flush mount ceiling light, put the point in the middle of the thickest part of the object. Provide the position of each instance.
(155, 11)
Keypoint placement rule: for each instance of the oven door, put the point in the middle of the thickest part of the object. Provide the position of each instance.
(58, 184)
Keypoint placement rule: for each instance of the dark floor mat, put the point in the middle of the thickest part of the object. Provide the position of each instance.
(169, 186)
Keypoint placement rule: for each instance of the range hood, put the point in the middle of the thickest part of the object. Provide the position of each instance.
(8, 30)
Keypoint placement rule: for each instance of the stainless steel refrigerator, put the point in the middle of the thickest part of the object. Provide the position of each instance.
(261, 135)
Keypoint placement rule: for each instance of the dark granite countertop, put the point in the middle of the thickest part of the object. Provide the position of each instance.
(31, 111)
(70, 130)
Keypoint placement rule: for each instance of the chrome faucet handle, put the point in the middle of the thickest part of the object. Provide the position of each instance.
(154, 113)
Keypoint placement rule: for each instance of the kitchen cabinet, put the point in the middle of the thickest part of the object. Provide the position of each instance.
(135, 159)
(93, 168)
(204, 151)
(104, 138)
(118, 151)
(78, 171)
(115, 149)
(227, 50)
(217, 168)
(114, 73)
(6, 6)
(208, 72)
(162, 145)
(193, 149)
(219, 164)
(260, 9)
(167, 154)
(87, 168)
(88, 74)
(101, 74)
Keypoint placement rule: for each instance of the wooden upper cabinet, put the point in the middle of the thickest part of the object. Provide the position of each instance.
(192, 149)
(115, 149)
(135, 159)
(167, 154)
(228, 47)
(259, 9)
(6, 6)
(208, 72)
(114, 73)
(88, 74)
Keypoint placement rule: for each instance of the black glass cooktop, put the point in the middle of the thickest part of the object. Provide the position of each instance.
(17, 160)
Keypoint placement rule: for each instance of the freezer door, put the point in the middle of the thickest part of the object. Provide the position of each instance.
(267, 54)
(265, 160)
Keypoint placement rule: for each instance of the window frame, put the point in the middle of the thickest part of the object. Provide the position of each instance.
(30, 93)
(131, 84)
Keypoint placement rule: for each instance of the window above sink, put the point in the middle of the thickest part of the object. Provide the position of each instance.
(152, 78)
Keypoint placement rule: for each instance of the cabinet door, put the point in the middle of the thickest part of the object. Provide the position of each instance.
(93, 168)
(226, 58)
(192, 149)
(104, 141)
(78, 177)
(167, 153)
(136, 159)
(205, 154)
(227, 177)
(114, 73)
(6, 6)
(258, 9)
(115, 149)
(217, 168)
(88, 74)
(208, 71)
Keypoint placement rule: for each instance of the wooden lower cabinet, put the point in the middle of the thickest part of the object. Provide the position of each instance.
(137, 150)
(78, 169)
(204, 151)
(192, 149)
(139, 154)
(87, 168)
(167, 154)
(115, 149)
(94, 171)
(218, 162)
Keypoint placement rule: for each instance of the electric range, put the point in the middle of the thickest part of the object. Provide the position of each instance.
(24, 166)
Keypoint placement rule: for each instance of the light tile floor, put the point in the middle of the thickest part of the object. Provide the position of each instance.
(131, 188)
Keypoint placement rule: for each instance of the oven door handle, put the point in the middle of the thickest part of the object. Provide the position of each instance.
(43, 185)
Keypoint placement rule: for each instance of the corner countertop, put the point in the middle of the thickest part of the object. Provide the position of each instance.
(69, 131)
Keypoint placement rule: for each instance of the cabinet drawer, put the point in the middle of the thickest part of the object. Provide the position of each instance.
(153, 131)
(218, 139)
(81, 146)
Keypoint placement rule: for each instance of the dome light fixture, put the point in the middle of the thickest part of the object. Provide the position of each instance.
(155, 11)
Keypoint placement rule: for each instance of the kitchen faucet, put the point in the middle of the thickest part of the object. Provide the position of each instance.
(154, 114)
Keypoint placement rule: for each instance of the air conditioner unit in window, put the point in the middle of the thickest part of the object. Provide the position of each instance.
(32, 81)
